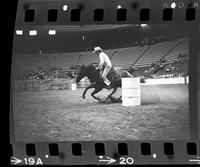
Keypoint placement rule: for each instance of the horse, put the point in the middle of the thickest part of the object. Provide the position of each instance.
(96, 81)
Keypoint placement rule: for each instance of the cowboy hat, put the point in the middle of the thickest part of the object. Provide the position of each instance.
(97, 49)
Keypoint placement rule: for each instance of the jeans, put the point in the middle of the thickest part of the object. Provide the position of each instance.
(105, 72)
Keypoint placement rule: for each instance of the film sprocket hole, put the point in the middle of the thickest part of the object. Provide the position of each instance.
(105, 82)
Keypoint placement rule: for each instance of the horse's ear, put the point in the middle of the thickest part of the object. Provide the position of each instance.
(83, 66)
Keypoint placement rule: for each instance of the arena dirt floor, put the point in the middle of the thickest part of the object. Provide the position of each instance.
(62, 115)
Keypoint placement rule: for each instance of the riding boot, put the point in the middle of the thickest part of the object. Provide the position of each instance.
(107, 82)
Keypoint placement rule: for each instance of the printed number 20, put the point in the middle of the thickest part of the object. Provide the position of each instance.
(124, 161)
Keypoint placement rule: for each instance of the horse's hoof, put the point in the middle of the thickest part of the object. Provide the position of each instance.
(83, 97)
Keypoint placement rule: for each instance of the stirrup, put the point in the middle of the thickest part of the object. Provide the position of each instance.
(108, 87)
(107, 82)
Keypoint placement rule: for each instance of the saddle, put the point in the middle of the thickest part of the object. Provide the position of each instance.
(113, 75)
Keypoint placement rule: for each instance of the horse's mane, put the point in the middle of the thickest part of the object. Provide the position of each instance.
(92, 66)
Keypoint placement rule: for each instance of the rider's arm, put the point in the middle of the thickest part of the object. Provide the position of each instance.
(101, 61)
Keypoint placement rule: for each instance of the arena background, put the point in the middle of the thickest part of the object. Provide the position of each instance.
(46, 108)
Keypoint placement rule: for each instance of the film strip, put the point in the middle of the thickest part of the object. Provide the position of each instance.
(105, 153)
(143, 59)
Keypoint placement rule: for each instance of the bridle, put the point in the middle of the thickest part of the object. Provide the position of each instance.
(100, 70)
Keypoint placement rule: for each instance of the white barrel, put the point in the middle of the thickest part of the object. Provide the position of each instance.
(70, 85)
(187, 80)
(73, 86)
(131, 93)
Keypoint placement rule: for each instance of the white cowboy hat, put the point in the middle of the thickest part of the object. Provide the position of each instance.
(97, 49)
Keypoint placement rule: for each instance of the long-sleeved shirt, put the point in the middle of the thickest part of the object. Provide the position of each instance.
(104, 59)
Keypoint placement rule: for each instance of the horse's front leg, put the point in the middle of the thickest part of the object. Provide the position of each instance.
(86, 89)
(95, 92)
(114, 90)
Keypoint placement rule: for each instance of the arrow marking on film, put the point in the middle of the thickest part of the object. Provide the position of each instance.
(194, 160)
(16, 161)
(108, 160)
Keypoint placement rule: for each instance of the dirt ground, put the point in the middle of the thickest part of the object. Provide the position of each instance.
(62, 115)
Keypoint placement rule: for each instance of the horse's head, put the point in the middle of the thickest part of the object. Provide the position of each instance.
(81, 73)
(88, 71)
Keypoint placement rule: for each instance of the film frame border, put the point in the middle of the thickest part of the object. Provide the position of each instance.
(157, 152)
(81, 12)
(89, 156)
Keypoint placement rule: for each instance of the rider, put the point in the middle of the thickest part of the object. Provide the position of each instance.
(104, 61)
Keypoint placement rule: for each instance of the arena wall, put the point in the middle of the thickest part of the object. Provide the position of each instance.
(164, 93)
(177, 80)
(31, 85)
(154, 92)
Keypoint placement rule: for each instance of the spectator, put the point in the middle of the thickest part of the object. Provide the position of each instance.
(153, 64)
(132, 69)
(162, 60)
(168, 69)
(179, 57)
(161, 66)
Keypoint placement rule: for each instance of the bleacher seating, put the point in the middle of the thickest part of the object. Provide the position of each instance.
(27, 62)
(160, 49)
(179, 68)
(124, 57)
(182, 48)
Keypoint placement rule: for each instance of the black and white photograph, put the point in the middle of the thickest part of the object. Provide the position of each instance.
(101, 83)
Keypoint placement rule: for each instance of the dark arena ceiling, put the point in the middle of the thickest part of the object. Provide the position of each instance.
(85, 38)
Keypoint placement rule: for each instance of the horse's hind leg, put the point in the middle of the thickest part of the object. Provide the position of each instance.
(86, 89)
(114, 90)
(120, 98)
(95, 92)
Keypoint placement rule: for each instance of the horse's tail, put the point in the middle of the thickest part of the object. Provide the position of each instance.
(126, 74)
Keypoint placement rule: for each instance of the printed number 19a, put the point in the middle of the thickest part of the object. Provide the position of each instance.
(33, 161)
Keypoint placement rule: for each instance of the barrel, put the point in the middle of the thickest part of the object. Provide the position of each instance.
(131, 93)
(73, 86)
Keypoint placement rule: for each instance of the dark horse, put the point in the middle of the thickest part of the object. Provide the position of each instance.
(96, 80)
